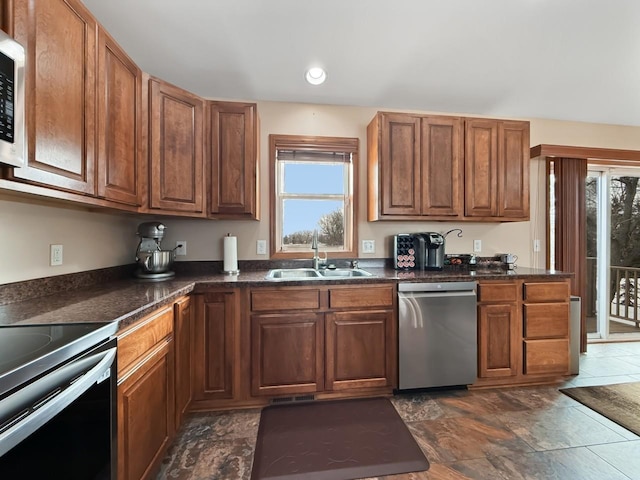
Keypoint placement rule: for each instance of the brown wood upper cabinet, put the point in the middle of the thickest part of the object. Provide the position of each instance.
(176, 161)
(496, 169)
(83, 108)
(447, 168)
(233, 156)
(415, 166)
(60, 38)
(121, 160)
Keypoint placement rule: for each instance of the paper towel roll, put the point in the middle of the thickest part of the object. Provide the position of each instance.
(230, 254)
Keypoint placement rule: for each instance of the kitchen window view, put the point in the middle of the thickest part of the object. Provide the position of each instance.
(313, 191)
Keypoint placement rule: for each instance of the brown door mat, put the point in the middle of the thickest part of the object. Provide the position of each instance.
(619, 402)
(334, 440)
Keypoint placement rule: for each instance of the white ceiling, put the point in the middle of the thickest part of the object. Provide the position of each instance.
(560, 59)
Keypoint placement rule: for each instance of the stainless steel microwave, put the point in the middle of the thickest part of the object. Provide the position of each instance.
(12, 108)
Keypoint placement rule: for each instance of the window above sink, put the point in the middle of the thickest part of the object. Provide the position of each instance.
(313, 187)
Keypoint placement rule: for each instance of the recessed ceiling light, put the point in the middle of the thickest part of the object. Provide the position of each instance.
(316, 76)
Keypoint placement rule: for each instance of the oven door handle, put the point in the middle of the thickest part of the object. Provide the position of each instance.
(32, 406)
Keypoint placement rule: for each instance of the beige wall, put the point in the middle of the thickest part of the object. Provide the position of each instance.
(28, 229)
(90, 239)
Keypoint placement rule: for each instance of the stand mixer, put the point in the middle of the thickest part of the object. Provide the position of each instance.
(153, 262)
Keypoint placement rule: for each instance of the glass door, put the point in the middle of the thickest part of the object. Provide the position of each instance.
(613, 253)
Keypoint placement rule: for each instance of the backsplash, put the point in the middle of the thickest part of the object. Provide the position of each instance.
(41, 287)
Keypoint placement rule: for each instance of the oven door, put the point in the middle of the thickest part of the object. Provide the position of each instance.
(63, 424)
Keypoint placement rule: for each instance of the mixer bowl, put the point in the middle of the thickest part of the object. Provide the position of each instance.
(158, 261)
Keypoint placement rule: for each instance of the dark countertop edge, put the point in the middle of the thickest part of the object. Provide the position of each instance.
(185, 284)
(133, 316)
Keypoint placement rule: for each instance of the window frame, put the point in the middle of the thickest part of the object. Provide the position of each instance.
(315, 144)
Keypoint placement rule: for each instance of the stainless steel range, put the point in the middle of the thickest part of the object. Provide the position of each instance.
(57, 401)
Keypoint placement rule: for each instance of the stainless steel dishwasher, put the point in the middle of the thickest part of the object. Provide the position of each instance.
(438, 344)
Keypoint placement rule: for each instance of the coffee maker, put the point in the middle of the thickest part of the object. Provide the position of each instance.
(432, 250)
(153, 262)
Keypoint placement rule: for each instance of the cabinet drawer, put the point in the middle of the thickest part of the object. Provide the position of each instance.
(288, 299)
(498, 292)
(362, 296)
(546, 356)
(546, 292)
(544, 320)
(135, 342)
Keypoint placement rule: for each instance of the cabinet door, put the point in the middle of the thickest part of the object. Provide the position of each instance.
(214, 346)
(287, 354)
(399, 152)
(176, 149)
(145, 415)
(183, 368)
(441, 162)
(233, 146)
(499, 340)
(120, 169)
(513, 169)
(481, 168)
(360, 350)
(59, 37)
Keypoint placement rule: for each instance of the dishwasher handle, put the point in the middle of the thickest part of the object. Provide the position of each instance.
(437, 286)
(407, 295)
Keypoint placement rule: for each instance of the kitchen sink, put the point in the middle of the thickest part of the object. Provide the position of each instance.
(345, 273)
(293, 274)
(298, 274)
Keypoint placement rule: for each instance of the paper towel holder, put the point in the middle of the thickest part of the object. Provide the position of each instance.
(230, 256)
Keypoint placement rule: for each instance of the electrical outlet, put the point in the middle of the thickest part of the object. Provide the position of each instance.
(536, 245)
(368, 246)
(261, 247)
(56, 255)
(477, 246)
(181, 247)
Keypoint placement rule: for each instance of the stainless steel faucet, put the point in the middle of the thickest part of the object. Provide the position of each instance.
(314, 246)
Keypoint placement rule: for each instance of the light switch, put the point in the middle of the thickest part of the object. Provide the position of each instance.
(477, 246)
(261, 247)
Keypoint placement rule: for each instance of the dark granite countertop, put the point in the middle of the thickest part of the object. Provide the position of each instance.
(127, 300)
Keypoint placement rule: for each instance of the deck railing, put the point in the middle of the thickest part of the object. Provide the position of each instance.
(625, 300)
(624, 304)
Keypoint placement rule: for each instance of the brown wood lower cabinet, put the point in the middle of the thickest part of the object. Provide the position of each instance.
(523, 331)
(145, 395)
(498, 336)
(287, 354)
(216, 349)
(313, 342)
(183, 367)
(359, 353)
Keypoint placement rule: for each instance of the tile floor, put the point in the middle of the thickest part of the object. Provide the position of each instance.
(511, 433)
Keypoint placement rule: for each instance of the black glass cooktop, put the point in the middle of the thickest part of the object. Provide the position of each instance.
(27, 351)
